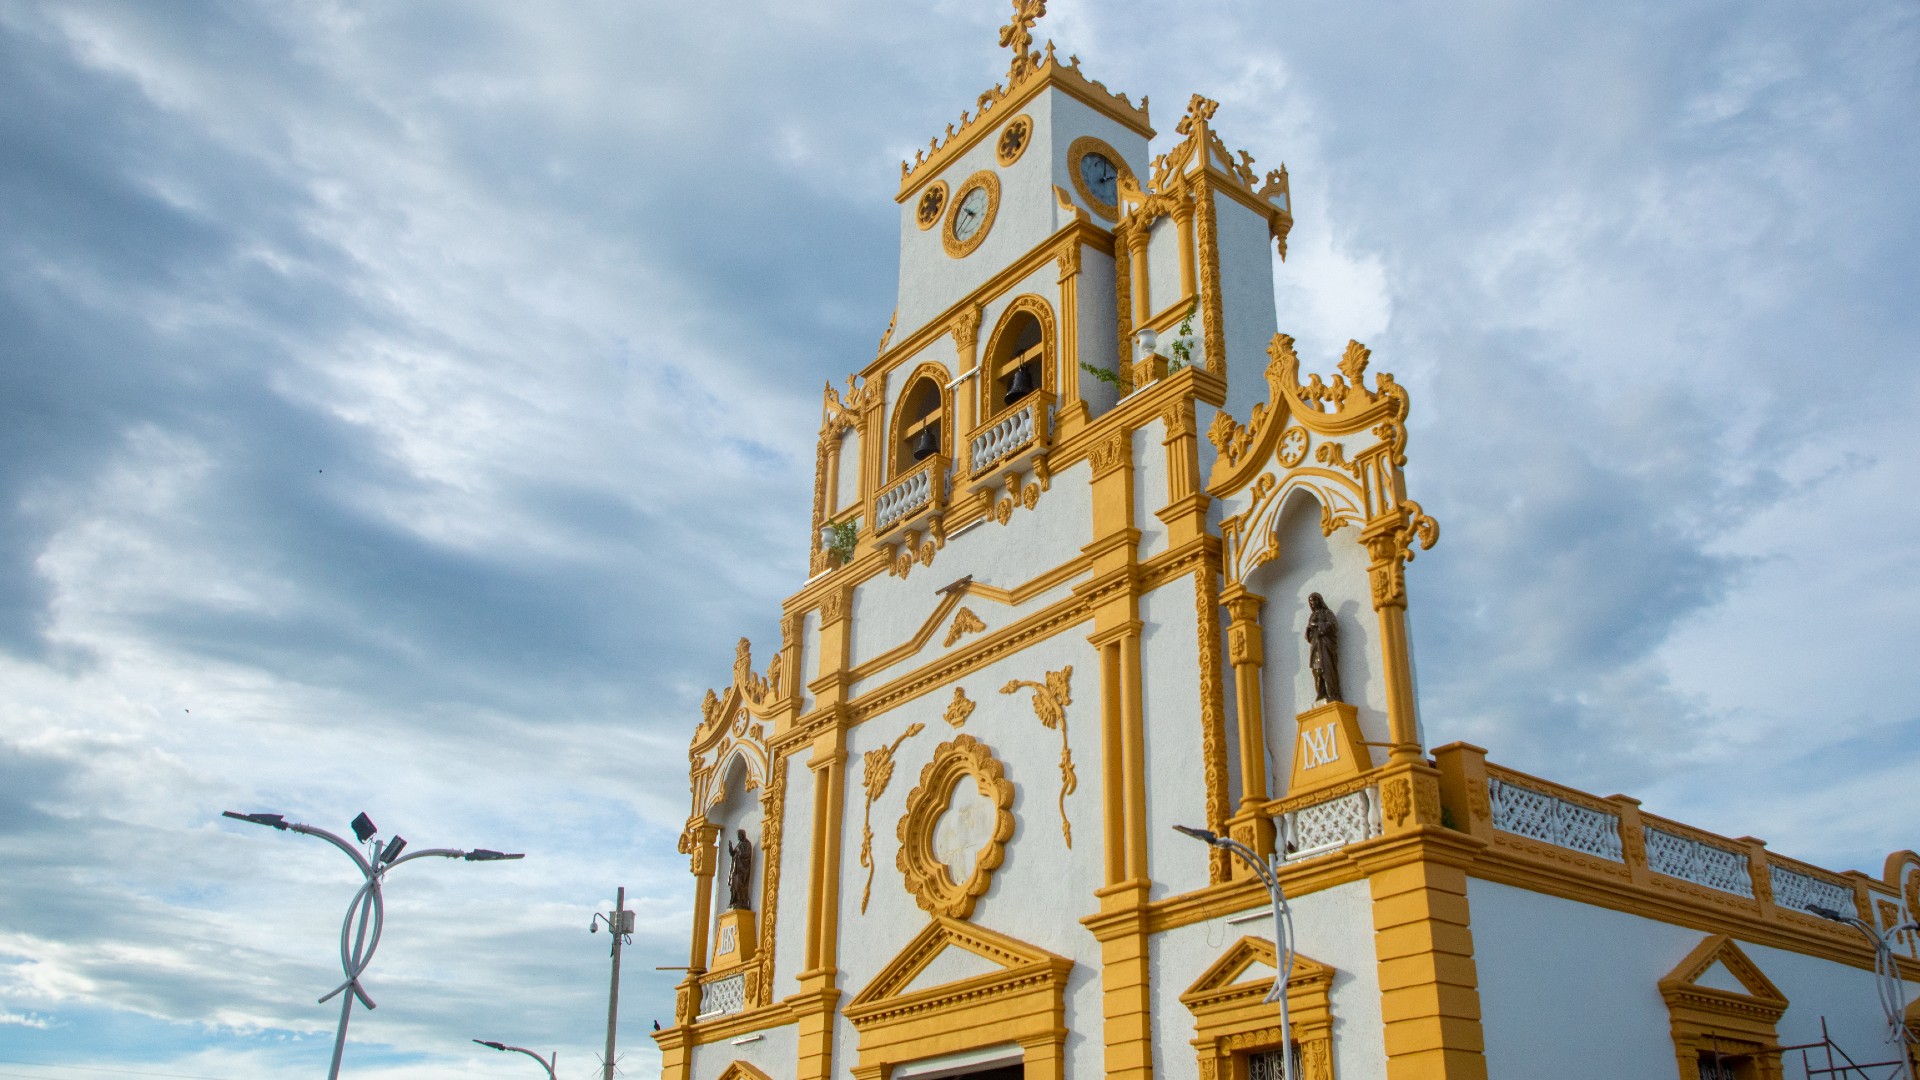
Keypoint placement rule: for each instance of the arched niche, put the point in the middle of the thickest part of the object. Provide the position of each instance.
(1304, 560)
(1023, 339)
(736, 809)
(924, 410)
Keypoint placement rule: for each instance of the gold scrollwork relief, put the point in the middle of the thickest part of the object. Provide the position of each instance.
(958, 709)
(873, 781)
(1050, 701)
(927, 877)
(964, 622)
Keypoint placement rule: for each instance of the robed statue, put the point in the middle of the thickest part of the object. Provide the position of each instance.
(1323, 649)
(739, 871)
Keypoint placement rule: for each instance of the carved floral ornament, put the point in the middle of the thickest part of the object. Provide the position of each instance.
(1357, 436)
(968, 761)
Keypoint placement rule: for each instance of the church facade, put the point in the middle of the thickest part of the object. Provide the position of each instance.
(1095, 554)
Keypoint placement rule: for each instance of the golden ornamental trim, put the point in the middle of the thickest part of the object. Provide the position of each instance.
(878, 771)
(1050, 701)
(927, 878)
(964, 622)
(954, 246)
(958, 709)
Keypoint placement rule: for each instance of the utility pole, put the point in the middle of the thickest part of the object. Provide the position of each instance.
(619, 925)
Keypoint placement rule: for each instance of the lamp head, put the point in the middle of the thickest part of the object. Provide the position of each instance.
(486, 855)
(1825, 912)
(495, 1045)
(363, 827)
(274, 820)
(1201, 835)
(393, 849)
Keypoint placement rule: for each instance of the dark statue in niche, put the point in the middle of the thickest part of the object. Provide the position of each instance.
(1323, 649)
(739, 872)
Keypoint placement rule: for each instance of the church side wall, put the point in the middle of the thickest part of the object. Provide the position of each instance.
(1099, 332)
(1150, 487)
(796, 861)
(1578, 985)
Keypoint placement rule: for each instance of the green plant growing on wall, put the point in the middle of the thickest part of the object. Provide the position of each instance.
(841, 538)
(1182, 347)
(1111, 378)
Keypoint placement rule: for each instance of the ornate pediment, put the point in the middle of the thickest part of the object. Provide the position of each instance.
(1248, 968)
(1004, 958)
(1717, 967)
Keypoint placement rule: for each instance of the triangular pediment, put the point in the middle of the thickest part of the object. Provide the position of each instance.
(949, 951)
(1718, 964)
(1250, 965)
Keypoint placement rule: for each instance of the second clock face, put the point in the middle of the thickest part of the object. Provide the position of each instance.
(1101, 176)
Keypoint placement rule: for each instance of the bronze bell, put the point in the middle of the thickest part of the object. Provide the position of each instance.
(1019, 386)
(924, 443)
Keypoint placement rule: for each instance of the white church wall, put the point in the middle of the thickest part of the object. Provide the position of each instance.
(1176, 764)
(773, 1052)
(1816, 988)
(1336, 568)
(1072, 119)
(888, 611)
(932, 281)
(796, 868)
(1333, 926)
(1247, 255)
(1150, 486)
(1098, 330)
(1163, 276)
(846, 481)
(809, 657)
(1043, 886)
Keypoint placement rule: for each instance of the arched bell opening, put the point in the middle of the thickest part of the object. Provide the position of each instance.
(918, 432)
(1018, 363)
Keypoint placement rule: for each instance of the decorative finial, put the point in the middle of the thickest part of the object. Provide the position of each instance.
(1018, 36)
(1199, 111)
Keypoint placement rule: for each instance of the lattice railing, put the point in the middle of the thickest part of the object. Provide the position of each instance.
(1796, 891)
(1330, 825)
(1552, 819)
(723, 996)
(1689, 859)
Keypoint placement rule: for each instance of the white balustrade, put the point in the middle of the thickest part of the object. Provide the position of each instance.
(903, 499)
(1551, 819)
(1008, 436)
(1800, 892)
(1688, 859)
(1327, 826)
(723, 996)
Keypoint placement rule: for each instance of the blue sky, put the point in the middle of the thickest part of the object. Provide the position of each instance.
(404, 406)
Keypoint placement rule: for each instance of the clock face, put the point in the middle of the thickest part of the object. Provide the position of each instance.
(970, 213)
(1101, 176)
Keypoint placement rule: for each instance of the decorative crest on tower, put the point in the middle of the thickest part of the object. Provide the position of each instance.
(1018, 36)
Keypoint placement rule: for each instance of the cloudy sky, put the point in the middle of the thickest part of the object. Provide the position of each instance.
(404, 406)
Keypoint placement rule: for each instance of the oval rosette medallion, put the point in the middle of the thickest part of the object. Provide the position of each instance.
(954, 833)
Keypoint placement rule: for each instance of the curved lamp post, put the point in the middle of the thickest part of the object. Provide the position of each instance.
(1887, 983)
(544, 1063)
(366, 913)
(1268, 871)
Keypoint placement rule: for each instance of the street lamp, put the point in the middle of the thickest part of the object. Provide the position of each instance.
(1268, 871)
(546, 1064)
(620, 929)
(1887, 983)
(368, 908)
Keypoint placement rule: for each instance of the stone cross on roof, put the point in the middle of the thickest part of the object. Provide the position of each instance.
(1018, 36)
